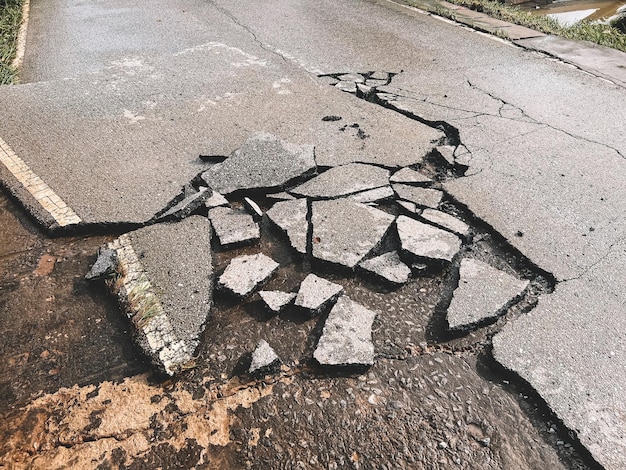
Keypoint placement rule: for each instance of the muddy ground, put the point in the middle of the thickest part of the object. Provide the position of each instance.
(76, 393)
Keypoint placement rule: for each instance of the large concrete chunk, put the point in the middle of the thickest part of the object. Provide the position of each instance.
(425, 197)
(164, 282)
(245, 274)
(347, 336)
(409, 176)
(344, 231)
(388, 267)
(233, 227)
(316, 293)
(187, 205)
(291, 217)
(425, 241)
(446, 221)
(276, 300)
(344, 180)
(263, 162)
(373, 195)
(483, 293)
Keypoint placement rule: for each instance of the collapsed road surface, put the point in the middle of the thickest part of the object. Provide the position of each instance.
(443, 167)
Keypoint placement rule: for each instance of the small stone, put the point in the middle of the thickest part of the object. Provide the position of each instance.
(424, 197)
(316, 293)
(264, 359)
(216, 200)
(188, 204)
(233, 227)
(253, 208)
(373, 195)
(276, 300)
(425, 241)
(105, 265)
(245, 274)
(388, 267)
(347, 336)
(343, 180)
(483, 293)
(409, 176)
(291, 217)
(446, 221)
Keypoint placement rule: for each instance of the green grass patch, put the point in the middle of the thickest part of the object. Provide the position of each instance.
(603, 35)
(10, 21)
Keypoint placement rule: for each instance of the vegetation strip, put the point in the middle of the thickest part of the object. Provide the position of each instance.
(10, 22)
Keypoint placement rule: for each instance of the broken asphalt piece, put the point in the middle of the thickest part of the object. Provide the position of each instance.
(264, 359)
(345, 232)
(253, 208)
(447, 152)
(373, 195)
(263, 162)
(483, 293)
(216, 200)
(164, 283)
(425, 241)
(187, 205)
(446, 221)
(105, 265)
(424, 197)
(388, 267)
(343, 180)
(352, 77)
(276, 300)
(291, 217)
(282, 196)
(317, 293)
(246, 273)
(347, 336)
(409, 207)
(233, 227)
(409, 176)
(347, 86)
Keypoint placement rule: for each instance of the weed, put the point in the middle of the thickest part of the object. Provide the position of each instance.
(10, 21)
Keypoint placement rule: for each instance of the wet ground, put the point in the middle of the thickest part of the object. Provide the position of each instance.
(596, 10)
(75, 391)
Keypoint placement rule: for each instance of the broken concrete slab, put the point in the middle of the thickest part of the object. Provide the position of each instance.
(347, 336)
(446, 221)
(233, 227)
(253, 208)
(317, 293)
(264, 163)
(483, 293)
(187, 205)
(343, 180)
(425, 241)
(277, 300)
(246, 273)
(447, 152)
(349, 87)
(291, 217)
(409, 176)
(425, 197)
(345, 232)
(216, 200)
(388, 267)
(164, 283)
(264, 359)
(409, 207)
(105, 264)
(373, 195)
(352, 77)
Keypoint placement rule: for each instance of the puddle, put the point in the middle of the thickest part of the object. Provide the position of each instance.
(568, 12)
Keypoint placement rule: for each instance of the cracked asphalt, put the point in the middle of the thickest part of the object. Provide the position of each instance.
(118, 101)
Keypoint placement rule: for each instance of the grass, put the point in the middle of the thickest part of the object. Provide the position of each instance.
(10, 21)
(603, 35)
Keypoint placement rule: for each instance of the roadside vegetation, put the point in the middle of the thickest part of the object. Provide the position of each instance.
(10, 20)
(602, 34)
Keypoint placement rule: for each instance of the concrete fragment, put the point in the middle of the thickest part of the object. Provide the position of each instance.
(352, 77)
(276, 300)
(379, 75)
(409, 176)
(291, 217)
(389, 267)
(187, 205)
(263, 162)
(264, 359)
(347, 336)
(316, 293)
(344, 231)
(246, 273)
(425, 241)
(446, 221)
(216, 200)
(409, 207)
(483, 293)
(105, 265)
(363, 89)
(233, 227)
(350, 87)
(165, 287)
(373, 195)
(343, 180)
(425, 197)
(282, 196)
(447, 152)
(253, 208)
